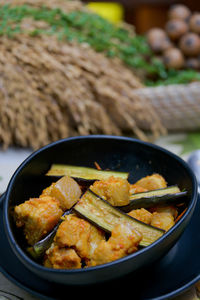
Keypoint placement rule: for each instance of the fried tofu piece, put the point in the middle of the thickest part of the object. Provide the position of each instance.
(74, 244)
(66, 190)
(142, 215)
(123, 241)
(62, 258)
(162, 220)
(74, 232)
(78, 234)
(164, 217)
(136, 189)
(89, 245)
(37, 216)
(114, 190)
(167, 209)
(151, 182)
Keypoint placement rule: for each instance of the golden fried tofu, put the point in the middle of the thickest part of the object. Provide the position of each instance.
(62, 258)
(37, 216)
(167, 209)
(164, 217)
(136, 189)
(162, 220)
(122, 242)
(96, 236)
(114, 190)
(141, 214)
(151, 182)
(66, 190)
(79, 234)
(74, 232)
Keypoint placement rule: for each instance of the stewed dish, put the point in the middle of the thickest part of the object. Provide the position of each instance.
(121, 221)
(90, 217)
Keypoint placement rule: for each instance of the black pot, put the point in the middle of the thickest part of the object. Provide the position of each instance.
(116, 153)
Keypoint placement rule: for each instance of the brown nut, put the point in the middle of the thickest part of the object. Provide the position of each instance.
(158, 40)
(194, 23)
(190, 44)
(179, 11)
(160, 45)
(192, 63)
(176, 28)
(173, 58)
(155, 34)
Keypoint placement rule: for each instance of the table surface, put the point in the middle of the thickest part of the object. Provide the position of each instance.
(12, 158)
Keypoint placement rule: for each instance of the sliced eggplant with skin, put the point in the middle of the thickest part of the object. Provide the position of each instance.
(165, 196)
(103, 214)
(159, 192)
(84, 173)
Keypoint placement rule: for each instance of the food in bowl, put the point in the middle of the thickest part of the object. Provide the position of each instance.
(89, 216)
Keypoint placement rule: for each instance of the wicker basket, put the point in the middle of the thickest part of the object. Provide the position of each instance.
(178, 106)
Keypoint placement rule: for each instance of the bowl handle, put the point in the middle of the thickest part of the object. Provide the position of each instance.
(2, 197)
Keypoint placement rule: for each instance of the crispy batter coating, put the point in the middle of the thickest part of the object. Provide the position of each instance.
(114, 190)
(164, 217)
(167, 209)
(162, 220)
(151, 182)
(161, 217)
(75, 234)
(66, 190)
(136, 189)
(62, 258)
(141, 214)
(80, 234)
(37, 216)
(123, 241)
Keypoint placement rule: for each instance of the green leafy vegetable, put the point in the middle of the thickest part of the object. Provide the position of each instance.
(100, 34)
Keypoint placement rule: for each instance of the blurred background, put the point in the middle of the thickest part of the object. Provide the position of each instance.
(143, 14)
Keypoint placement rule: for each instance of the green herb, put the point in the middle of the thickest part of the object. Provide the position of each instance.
(176, 77)
(100, 34)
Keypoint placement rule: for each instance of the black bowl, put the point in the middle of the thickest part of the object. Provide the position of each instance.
(115, 153)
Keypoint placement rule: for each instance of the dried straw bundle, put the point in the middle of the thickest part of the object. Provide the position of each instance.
(52, 89)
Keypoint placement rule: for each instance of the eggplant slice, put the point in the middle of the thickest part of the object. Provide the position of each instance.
(165, 196)
(84, 173)
(104, 215)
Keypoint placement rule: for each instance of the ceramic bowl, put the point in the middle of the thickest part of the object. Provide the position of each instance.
(116, 153)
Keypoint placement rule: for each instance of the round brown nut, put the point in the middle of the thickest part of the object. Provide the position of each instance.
(160, 45)
(155, 34)
(194, 23)
(190, 44)
(192, 63)
(179, 11)
(158, 40)
(173, 58)
(176, 28)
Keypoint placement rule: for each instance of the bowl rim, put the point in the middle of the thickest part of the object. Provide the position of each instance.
(24, 257)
